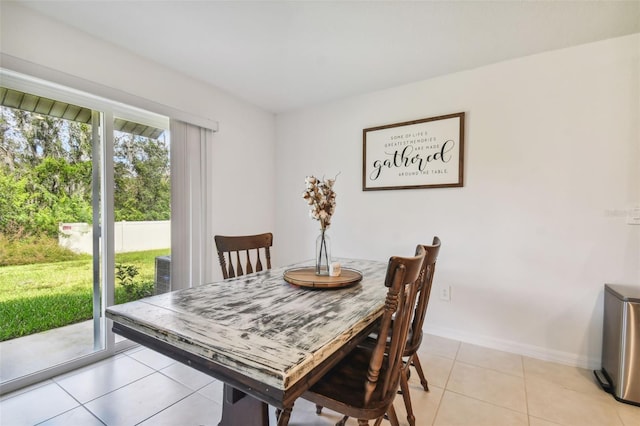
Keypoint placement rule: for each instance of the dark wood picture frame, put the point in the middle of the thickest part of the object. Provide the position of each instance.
(425, 153)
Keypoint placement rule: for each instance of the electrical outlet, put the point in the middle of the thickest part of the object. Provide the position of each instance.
(445, 293)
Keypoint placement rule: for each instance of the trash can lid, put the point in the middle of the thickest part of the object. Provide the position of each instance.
(627, 293)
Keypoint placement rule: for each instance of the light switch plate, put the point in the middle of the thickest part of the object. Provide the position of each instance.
(633, 216)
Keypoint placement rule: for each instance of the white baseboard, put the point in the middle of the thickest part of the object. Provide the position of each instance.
(538, 352)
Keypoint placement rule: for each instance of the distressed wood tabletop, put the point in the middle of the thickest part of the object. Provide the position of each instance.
(259, 325)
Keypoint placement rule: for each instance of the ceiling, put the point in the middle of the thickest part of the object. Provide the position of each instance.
(285, 55)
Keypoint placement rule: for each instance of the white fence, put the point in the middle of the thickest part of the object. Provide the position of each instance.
(129, 236)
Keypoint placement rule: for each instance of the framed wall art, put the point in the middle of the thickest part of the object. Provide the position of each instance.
(426, 153)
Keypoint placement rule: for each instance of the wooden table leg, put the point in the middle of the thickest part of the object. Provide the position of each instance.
(240, 409)
(283, 417)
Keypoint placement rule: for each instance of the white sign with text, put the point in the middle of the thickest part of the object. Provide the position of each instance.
(417, 154)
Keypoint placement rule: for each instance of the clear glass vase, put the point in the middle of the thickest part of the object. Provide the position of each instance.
(323, 252)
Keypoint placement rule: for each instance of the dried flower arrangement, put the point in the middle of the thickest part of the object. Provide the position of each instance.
(322, 199)
(320, 195)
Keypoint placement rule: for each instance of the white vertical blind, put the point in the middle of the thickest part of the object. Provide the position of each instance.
(191, 239)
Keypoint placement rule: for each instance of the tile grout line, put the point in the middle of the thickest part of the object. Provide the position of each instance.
(170, 405)
(80, 405)
(526, 395)
(153, 371)
(489, 403)
(159, 371)
(83, 405)
(444, 389)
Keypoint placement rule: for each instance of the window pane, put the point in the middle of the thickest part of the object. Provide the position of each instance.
(142, 204)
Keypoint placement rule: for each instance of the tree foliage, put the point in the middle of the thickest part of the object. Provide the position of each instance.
(142, 186)
(46, 174)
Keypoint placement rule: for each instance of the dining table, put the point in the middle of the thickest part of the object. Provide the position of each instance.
(266, 339)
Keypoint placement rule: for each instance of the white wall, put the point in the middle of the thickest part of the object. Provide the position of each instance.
(552, 159)
(242, 161)
(128, 236)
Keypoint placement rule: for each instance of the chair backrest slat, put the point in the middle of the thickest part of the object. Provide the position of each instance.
(231, 246)
(239, 263)
(249, 269)
(231, 271)
(258, 262)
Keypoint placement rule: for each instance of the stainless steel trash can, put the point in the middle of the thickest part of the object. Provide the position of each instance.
(620, 373)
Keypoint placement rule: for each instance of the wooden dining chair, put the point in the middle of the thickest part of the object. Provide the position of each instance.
(414, 336)
(364, 384)
(230, 249)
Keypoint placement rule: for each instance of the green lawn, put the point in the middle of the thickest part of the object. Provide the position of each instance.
(39, 297)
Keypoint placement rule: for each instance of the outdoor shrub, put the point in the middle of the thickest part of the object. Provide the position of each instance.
(126, 274)
(34, 249)
(144, 289)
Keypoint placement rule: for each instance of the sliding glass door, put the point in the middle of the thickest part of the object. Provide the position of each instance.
(84, 184)
(50, 281)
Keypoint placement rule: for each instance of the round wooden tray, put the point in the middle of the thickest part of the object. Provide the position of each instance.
(306, 277)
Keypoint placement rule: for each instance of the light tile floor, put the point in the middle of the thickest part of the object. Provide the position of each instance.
(469, 386)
